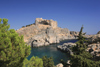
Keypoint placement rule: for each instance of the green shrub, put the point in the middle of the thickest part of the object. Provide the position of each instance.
(13, 50)
(47, 62)
(33, 62)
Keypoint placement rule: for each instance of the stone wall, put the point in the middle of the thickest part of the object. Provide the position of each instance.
(46, 22)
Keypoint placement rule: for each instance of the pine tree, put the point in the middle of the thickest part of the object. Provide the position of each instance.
(13, 50)
(80, 34)
(81, 43)
(82, 58)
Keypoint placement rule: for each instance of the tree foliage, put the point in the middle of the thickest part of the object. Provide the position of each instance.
(79, 61)
(80, 44)
(13, 50)
(33, 62)
(82, 58)
(47, 62)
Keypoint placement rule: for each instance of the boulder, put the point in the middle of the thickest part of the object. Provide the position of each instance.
(46, 43)
(59, 65)
(94, 49)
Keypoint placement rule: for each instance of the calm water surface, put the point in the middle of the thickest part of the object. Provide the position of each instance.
(51, 51)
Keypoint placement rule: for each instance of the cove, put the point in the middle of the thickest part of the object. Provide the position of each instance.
(51, 51)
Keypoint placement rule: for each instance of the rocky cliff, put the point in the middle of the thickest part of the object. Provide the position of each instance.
(44, 32)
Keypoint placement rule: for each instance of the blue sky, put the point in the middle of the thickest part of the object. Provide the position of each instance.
(71, 14)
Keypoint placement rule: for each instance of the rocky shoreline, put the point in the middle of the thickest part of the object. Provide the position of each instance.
(93, 47)
(66, 47)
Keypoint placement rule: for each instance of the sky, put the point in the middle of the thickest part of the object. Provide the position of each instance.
(71, 14)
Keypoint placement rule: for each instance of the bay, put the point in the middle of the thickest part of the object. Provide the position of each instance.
(51, 51)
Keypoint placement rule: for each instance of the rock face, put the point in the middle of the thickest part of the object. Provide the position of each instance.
(66, 47)
(44, 32)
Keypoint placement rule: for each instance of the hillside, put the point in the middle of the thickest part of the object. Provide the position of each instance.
(44, 32)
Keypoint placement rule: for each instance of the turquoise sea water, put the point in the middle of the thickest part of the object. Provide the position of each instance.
(51, 51)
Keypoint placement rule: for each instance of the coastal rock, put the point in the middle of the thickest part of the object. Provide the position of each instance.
(44, 32)
(93, 38)
(46, 43)
(68, 62)
(59, 65)
(66, 47)
(94, 49)
(69, 44)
